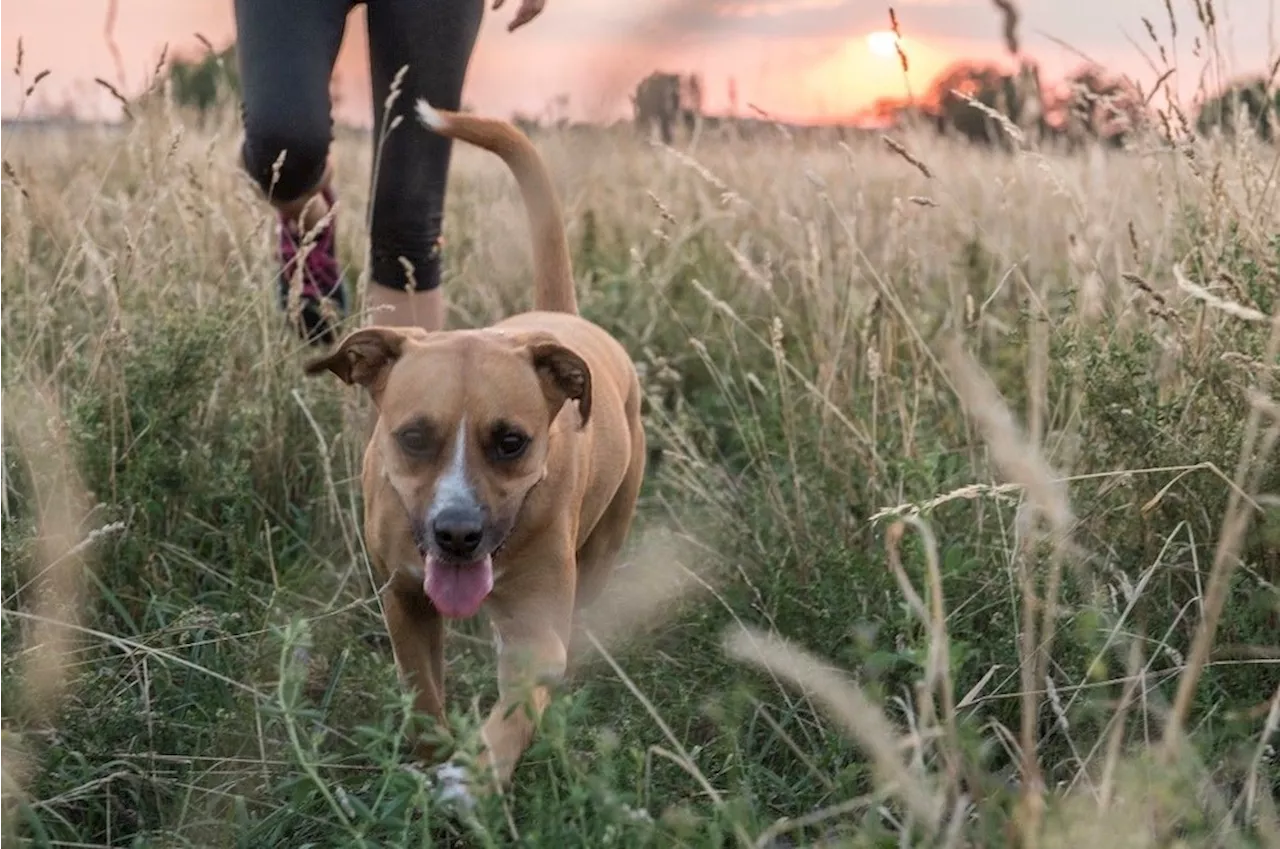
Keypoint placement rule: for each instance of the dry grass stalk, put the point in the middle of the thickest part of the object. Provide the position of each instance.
(968, 493)
(1010, 450)
(656, 577)
(1255, 454)
(54, 592)
(1009, 16)
(898, 148)
(860, 716)
(1231, 308)
(938, 671)
(1017, 459)
(116, 95)
(902, 54)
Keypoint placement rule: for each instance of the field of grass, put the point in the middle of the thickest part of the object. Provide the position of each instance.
(962, 526)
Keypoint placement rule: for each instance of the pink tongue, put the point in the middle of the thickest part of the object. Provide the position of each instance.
(458, 589)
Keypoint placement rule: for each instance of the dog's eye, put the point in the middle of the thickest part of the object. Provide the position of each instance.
(510, 444)
(414, 440)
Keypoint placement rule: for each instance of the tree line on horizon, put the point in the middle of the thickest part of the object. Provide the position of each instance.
(969, 99)
(1090, 104)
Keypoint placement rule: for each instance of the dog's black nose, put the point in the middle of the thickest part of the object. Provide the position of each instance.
(458, 533)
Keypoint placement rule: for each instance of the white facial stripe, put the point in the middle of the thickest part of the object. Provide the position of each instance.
(454, 488)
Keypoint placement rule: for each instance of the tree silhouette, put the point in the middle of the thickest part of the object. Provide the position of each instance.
(1092, 104)
(657, 101)
(199, 84)
(984, 83)
(663, 99)
(1246, 102)
(1098, 105)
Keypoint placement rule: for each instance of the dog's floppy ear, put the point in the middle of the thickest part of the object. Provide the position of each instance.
(363, 357)
(564, 375)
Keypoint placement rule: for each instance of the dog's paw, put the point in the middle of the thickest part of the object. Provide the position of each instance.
(453, 787)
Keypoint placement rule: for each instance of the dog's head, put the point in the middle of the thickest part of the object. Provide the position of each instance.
(463, 430)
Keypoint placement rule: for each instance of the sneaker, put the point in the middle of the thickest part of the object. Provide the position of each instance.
(323, 296)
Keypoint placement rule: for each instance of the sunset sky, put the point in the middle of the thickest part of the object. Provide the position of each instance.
(798, 59)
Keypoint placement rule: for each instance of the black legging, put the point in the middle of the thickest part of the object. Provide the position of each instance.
(287, 49)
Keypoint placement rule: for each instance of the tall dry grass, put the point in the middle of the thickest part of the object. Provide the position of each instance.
(1054, 374)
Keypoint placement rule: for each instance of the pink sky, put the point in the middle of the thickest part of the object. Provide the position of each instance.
(804, 59)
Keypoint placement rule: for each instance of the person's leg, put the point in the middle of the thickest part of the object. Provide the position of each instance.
(286, 52)
(435, 39)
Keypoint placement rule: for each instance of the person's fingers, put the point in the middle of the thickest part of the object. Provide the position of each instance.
(529, 9)
(497, 4)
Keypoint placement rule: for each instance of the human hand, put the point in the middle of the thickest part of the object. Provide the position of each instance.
(529, 9)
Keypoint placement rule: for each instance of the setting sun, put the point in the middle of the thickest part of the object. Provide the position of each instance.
(883, 43)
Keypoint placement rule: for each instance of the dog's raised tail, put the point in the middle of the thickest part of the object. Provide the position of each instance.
(553, 270)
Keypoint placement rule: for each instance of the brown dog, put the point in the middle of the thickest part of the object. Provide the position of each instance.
(483, 485)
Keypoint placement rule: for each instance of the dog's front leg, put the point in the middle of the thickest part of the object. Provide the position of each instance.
(533, 635)
(416, 630)
(528, 664)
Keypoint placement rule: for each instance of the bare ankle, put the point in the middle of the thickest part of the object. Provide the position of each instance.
(308, 210)
(402, 308)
